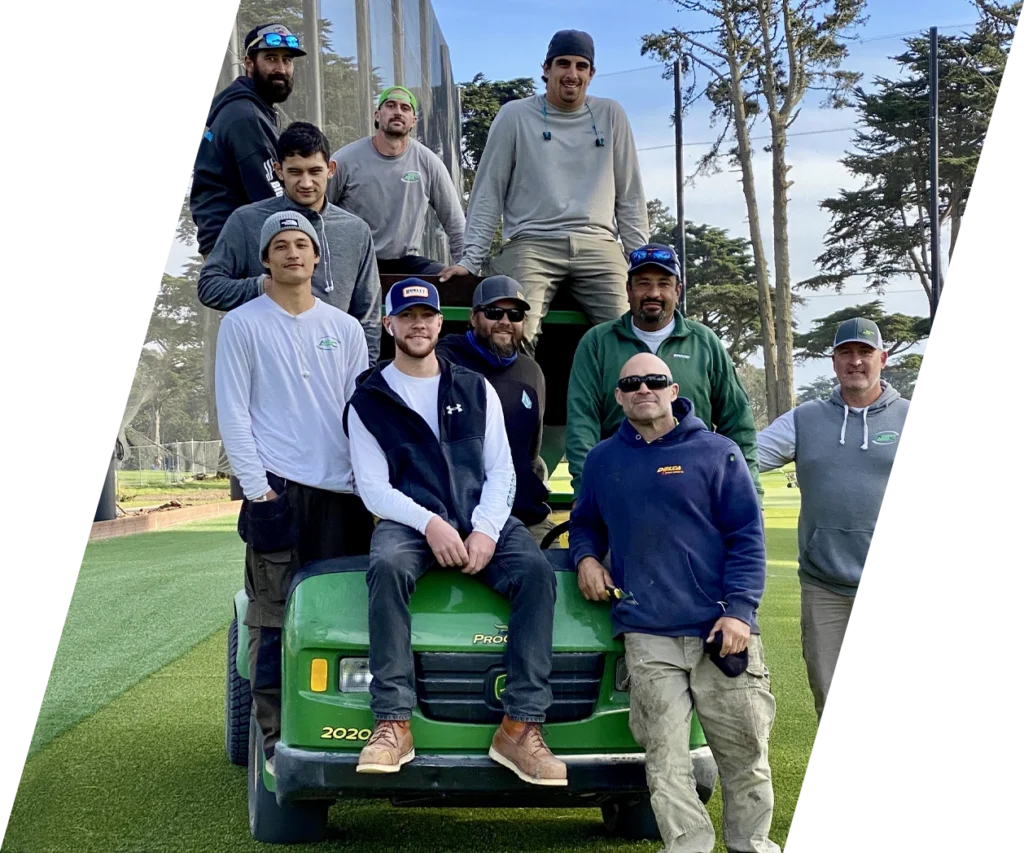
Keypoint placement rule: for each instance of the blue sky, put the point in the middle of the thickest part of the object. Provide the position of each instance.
(516, 38)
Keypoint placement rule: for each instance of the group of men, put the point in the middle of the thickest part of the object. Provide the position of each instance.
(441, 445)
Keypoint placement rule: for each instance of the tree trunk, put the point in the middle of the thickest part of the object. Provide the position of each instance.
(783, 298)
(156, 422)
(764, 297)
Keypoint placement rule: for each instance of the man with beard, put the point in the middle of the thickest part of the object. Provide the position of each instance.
(491, 347)
(235, 162)
(699, 363)
(389, 180)
(418, 425)
(841, 483)
(346, 277)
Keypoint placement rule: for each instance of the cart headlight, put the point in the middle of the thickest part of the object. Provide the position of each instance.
(354, 675)
(621, 676)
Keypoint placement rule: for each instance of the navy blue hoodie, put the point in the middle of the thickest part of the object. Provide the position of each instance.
(682, 521)
(235, 162)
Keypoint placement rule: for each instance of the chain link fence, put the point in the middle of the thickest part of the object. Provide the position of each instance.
(169, 464)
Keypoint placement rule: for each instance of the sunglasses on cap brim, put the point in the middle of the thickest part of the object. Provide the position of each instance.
(275, 40)
(658, 255)
(653, 381)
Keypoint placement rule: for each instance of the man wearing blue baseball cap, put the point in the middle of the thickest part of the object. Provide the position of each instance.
(844, 448)
(699, 363)
(418, 426)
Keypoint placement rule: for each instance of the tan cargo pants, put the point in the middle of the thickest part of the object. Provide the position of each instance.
(670, 677)
(594, 268)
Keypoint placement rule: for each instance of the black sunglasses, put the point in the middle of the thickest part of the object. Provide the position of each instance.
(493, 312)
(653, 381)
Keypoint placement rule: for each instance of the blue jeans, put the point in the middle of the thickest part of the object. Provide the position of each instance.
(409, 265)
(518, 571)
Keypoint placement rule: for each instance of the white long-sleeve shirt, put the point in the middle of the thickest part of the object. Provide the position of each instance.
(282, 381)
(371, 465)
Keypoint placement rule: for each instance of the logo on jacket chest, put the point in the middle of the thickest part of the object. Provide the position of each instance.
(887, 437)
(453, 410)
(670, 469)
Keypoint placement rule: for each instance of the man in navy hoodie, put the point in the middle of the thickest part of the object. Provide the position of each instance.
(235, 162)
(676, 506)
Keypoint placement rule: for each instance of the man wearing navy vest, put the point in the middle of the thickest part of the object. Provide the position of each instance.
(844, 449)
(432, 462)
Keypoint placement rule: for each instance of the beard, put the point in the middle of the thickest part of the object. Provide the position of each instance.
(420, 352)
(500, 350)
(397, 133)
(274, 89)
(650, 313)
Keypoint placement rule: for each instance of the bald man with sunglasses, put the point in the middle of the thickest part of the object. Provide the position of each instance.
(675, 506)
(491, 346)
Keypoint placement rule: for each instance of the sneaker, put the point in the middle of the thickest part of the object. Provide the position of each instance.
(520, 747)
(389, 747)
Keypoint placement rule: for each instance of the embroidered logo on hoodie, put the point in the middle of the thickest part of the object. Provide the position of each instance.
(888, 437)
(411, 177)
(671, 469)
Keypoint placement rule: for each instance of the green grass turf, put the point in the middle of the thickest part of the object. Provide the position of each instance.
(140, 601)
(148, 773)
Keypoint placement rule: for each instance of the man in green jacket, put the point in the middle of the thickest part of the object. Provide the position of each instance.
(699, 362)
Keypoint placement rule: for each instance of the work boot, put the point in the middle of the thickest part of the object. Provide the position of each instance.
(389, 747)
(520, 747)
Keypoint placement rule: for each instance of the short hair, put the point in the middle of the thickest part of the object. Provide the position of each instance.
(303, 139)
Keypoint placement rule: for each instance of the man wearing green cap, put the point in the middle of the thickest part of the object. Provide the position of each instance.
(844, 449)
(389, 180)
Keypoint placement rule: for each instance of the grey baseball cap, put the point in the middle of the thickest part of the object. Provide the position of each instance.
(859, 329)
(286, 220)
(496, 288)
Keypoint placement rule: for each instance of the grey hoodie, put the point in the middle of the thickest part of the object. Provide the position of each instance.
(346, 276)
(843, 460)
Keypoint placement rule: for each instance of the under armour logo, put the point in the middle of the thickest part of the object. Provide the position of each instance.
(453, 409)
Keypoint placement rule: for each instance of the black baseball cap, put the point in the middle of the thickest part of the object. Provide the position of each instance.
(656, 255)
(860, 330)
(272, 37)
(496, 288)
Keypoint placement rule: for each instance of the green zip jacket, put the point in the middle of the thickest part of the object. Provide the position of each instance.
(700, 365)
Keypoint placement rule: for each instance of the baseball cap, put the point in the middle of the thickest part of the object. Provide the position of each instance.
(397, 93)
(859, 329)
(286, 220)
(272, 37)
(408, 292)
(654, 254)
(496, 288)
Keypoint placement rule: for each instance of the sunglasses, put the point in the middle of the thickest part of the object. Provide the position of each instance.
(515, 315)
(653, 381)
(662, 256)
(275, 40)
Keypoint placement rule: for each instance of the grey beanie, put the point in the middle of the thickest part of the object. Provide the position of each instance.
(286, 220)
(571, 43)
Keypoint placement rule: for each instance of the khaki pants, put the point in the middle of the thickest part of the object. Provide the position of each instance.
(824, 616)
(594, 268)
(669, 678)
(541, 529)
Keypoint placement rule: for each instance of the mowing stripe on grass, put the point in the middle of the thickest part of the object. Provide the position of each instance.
(139, 603)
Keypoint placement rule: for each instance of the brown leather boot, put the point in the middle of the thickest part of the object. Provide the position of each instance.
(389, 747)
(520, 747)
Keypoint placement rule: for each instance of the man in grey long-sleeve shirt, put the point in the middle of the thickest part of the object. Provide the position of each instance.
(346, 276)
(389, 180)
(560, 171)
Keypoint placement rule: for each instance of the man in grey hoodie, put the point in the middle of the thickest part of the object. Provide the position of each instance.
(842, 472)
(561, 174)
(346, 276)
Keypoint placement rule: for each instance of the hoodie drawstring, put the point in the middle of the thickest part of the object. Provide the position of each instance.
(329, 277)
(842, 434)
